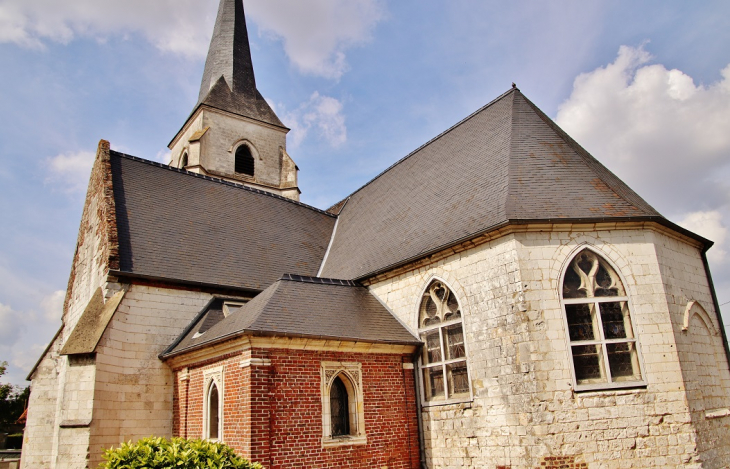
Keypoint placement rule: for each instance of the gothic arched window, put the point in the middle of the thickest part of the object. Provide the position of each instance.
(343, 406)
(443, 364)
(603, 348)
(339, 408)
(213, 412)
(184, 160)
(244, 160)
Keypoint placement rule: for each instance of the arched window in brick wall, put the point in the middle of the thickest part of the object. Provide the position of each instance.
(443, 363)
(244, 160)
(603, 348)
(213, 404)
(213, 412)
(343, 407)
(339, 408)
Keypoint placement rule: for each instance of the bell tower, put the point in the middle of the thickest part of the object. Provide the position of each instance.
(233, 133)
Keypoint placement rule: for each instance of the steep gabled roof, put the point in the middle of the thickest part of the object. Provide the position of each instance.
(508, 162)
(300, 307)
(228, 81)
(181, 226)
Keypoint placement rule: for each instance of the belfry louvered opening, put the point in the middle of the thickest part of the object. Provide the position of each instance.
(244, 161)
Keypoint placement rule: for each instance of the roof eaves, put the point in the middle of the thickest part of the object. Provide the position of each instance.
(320, 280)
(658, 219)
(174, 281)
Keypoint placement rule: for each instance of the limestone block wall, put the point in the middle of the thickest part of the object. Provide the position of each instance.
(524, 408)
(42, 409)
(704, 361)
(133, 388)
(226, 131)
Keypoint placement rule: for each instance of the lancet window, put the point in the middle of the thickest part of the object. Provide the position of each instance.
(443, 363)
(603, 347)
(213, 404)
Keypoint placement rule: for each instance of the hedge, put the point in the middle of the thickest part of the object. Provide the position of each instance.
(178, 453)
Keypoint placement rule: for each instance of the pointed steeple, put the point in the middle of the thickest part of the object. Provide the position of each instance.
(228, 79)
(229, 54)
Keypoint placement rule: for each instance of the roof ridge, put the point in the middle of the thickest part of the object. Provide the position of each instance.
(596, 167)
(320, 280)
(437, 137)
(221, 181)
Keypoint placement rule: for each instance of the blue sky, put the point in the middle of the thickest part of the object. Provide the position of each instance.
(644, 86)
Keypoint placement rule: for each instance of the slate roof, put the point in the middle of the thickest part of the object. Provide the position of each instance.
(300, 307)
(173, 224)
(228, 81)
(508, 162)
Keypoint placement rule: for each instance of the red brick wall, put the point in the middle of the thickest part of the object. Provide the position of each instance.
(273, 414)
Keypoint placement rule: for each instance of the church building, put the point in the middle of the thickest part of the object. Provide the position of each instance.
(495, 299)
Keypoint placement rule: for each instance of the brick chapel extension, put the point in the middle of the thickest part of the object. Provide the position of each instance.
(529, 310)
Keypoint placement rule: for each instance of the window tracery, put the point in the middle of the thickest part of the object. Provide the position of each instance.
(603, 347)
(443, 362)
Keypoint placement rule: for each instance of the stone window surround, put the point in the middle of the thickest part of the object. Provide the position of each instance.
(233, 149)
(422, 388)
(627, 299)
(351, 375)
(210, 376)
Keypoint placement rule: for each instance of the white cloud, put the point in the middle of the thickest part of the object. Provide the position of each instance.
(178, 26)
(52, 306)
(708, 224)
(163, 156)
(324, 114)
(316, 33)
(664, 135)
(70, 171)
(11, 326)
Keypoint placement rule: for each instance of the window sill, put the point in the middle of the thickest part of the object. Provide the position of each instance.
(613, 389)
(349, 440)
(464, 403)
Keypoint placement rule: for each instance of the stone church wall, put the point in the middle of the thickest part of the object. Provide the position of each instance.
(704, 361)
(62, 389)
(226, 131)
(272, 408)
(133, 389)
(524, 408)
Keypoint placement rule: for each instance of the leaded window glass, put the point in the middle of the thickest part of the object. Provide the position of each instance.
(604, 350)
(443, 361)
(339, 408)
(213, 412)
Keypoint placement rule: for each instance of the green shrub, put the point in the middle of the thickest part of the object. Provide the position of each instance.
(178, 453)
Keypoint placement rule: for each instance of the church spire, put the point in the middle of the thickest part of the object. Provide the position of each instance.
(233, 133)
(229, 55)
(228, 79)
